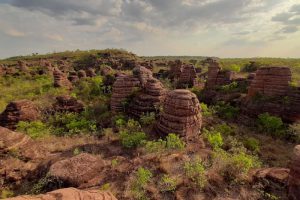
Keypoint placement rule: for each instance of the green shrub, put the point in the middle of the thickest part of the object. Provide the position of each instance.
(147, 119)
(224, 129)
(155, 146)
(234, 68)
(105, 187)
(167, 183)
(195, 171)
(90, 88)
(119, 121)
(252, 144)
(71, 124)
(5, 193)
(226, 110)
(131, 139)
(141, 180)
(205, 110)
(215, 139)
(76, 151)
(133, 126)
(34, 129)
(229, 87)
(174, 142)
(271, 124)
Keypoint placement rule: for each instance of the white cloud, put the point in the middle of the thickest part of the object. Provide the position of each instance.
(15, 33)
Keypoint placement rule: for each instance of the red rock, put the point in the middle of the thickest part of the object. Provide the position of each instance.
(68, 104)
(22, 65)
(143, 74)
(73, 77)
(275, 174)
(176, 69)
(60, 79)
(22, 110)
(294, 178)
(188, 76)
(105, 70)
(181, 114)
(217, 77)
(81, 74)
(90, 72)
(77, 170)
(69, 194)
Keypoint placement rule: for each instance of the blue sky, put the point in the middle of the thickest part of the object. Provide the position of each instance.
(223, 28)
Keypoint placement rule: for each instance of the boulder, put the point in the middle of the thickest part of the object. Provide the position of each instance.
(60, 79)
(149, 99)
(181, 114)
(105, 70)
(81, 74)
(275, 174)
(73, 77)
(69, 194)
(77, 170)
(15, 111)
(90, 72)
(68, 104)
(294, 177)
(122, 88)
(143, 74)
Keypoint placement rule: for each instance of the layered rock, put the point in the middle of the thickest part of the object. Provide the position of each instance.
(149, 99)
(106, 70)
(60, 79)
(175, 69)
(122, 88)
(77, 170)
(188, 76)
(68, 104)
(81, 74)
(69, 194)
(270, 81)
(73, 77)
(294, 177)
(21, 110)
(216, 77)
(90, 72)
(181, 114)
(22, 65)
(143, 74)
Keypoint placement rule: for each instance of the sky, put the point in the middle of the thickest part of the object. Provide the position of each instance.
(222, 28)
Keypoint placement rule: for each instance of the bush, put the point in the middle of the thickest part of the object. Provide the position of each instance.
(167, 183)
(155, 146)
(6, 194)
(229, 88)
(131, 139)
(195, 171)
(252, 144)
(133, 126)
(234, 68)
(71, 124)
(147, 119)
(226, 110)
(224, 129)
(142, 178)
(90, 88)
(271, 124)
(34, 129)
(119, 121)
(215, 139)
(206, 111)
(174, 142)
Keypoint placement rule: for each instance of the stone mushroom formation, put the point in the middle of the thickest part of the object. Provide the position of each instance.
(181, 114)
(60, 79)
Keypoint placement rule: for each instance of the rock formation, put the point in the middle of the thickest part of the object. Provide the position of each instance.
(68, 104)
(143, 74)
(22, 110)
(217, 77)
(60, 79)
(22, 65)
(270, 81)
(77, 170)
(90, 72)
(81, 74)
(73, 77)
(149, 99)
(181, 114)
(294, 178)
(69, 194)
(106, 70)
(188, 76)
(123, 87)
(175, 69)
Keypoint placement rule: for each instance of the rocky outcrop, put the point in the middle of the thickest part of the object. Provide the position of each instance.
(181, 114)
(106, 70)
(60, 79)
(143, 74)
(69, 194)
(122, 88)
(294, 178)
(68, 104)
(73, 77)
(270, 81)
(21, 110)
(188, 76)
(22, 65)
(216, 77)
(149, 99)
(90, 72)
(81, 74)
(77, 170)
(175, 69)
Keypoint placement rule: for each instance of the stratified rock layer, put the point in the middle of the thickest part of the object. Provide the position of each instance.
(68, 104)
(90, 72)
(270, 81)
(217, 77)
(294, 178)
(176, 69)
(70, 194)
(143, 74)
(188, 76)
(123, 87)
(73, 77)
(81, 74)
(22, 110)
(60, 79)
(150, 99)
(181, 114)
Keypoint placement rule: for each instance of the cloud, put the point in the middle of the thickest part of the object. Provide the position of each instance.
(55, 37)
(15, 33)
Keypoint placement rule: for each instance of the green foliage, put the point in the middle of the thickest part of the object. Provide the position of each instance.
(174, 142)
(5, 193)
(206, 111)
(270, 124)
(215, 139)
(131, 139)
(141, 180)
(226, 111)
(119, 121)
(224, 129)
(252, 144)
(133, 126)
(114, 163)
(76, 151)
(105, 187)
(167, 183)
(147, 119)
(155, 146)
(90, 88)
(34, 129)
(294, 130)
(195, 171)
(229, 87)
(71, 124)
(233, 67)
